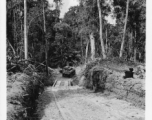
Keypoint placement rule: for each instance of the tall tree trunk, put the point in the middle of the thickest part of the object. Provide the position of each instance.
(15, 45)
(135, 48)
(21, 38)
(135, 54)
(130, 45)
(101, 40)
(25, 31)
(81, 46)
(92, 44)
(86, 52)
(46, 54)
(106, 41)
(124, 33)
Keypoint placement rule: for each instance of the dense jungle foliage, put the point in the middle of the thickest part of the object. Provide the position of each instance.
(69, 38)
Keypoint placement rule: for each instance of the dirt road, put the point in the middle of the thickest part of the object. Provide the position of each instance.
(66, 102)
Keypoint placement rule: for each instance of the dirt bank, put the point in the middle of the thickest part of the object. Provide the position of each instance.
(22, 93)
(130, 89)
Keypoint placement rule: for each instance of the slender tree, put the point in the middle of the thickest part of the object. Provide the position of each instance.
(106, 40)
(92, 45)
(46, 44)
(101, 39)
(25, 31)
(87, 46)
(124, 32)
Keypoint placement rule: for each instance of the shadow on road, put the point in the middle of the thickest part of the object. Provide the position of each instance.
(44, 100)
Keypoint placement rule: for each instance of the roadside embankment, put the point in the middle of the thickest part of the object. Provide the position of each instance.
(23, 90)
(112, 80)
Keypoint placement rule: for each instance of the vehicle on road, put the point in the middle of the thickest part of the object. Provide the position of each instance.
(68, 71)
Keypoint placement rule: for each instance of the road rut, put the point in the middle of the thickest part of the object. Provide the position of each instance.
(75, 103)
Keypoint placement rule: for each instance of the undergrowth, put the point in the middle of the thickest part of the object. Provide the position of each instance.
(23, 89)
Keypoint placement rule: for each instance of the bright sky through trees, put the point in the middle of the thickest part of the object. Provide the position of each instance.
(68, 3)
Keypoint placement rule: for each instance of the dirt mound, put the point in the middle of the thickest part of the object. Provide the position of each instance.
(112, 80)
(96, 75)
(140, 71)
(130, 89)
(79, 78)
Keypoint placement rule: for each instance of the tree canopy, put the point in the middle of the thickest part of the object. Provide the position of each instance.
(69, 39)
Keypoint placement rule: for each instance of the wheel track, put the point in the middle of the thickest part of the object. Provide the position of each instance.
(64, 112)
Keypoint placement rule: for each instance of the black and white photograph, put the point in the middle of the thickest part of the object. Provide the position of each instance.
(75, 59)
